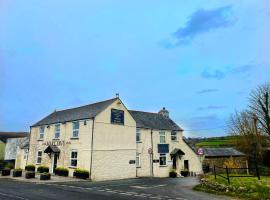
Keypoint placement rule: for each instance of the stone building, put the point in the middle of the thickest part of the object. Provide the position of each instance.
(111, 142)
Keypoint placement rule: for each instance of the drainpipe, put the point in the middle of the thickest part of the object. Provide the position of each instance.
(151, 155)
(92, 144)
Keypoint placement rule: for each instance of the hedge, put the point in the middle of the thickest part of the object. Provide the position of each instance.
(30, 167)
(42, 169)
(61, 171)
(81, 173)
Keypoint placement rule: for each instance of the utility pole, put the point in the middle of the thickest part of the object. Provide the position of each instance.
(255, 119)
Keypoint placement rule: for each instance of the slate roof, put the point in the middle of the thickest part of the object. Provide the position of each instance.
(82, 112)
(153, 121)
(5, 135)
(222, 152)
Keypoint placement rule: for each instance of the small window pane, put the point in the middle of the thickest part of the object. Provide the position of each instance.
(138, 135)
(162, 159)
(162, 137)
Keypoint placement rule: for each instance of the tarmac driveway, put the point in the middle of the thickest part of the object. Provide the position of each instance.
(141, 188)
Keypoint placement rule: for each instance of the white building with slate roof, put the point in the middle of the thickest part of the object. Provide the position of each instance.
(111, 142)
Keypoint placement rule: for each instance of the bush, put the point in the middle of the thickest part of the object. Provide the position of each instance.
(45, 176)
(9, 166)
(30, 167)
(17, 172)
(81, 173)
(172, 174)
(184, 173)
(6, 172)
(29, 174)
(61, 171)
(42, 169)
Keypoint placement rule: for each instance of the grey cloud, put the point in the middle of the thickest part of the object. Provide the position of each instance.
(207, 91)
(212, 107)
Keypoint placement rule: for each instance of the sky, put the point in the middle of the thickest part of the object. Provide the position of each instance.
(200, 59)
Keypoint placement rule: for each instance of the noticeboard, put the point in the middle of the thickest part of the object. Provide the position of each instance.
(117, 116)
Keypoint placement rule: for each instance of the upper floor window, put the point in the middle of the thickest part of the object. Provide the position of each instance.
(39, 157)
(162, 137)
(57, 131)
(138, 135)
(73, 158)
(41, 133)
(173, 136)
(75, 129)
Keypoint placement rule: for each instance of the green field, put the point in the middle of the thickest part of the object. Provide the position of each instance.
(2, 150)
(243, 188)
(216, 142)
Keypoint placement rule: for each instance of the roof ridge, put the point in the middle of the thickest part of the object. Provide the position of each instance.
(86, 105)
(143, 111)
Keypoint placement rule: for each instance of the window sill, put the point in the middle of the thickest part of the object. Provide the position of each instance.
(40, 140)
(56, 139)
(71, 167)
(163, 165)
(138, 141)
(74, 138)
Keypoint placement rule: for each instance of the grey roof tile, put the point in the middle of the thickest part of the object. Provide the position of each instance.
(82, 112)
(222, 152)
(153, 121)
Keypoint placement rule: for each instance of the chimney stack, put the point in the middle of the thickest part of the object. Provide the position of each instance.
(164, 112)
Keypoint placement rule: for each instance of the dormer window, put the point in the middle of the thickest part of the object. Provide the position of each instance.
(57, 131)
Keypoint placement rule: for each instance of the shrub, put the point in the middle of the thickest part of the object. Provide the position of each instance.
(81, 173)
(173, 174)
(9, 166)
(30, 167)
(6, 172)
(42, 169)
(45, 176)
(61, 171)
(184, 173)
(17, 172)
(29, 174)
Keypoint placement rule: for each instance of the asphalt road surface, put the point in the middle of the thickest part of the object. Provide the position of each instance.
(141, 188)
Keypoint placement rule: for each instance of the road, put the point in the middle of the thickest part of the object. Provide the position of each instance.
(141, 188)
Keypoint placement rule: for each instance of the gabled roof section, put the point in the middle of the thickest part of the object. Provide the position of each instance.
(153, 121)
(222, 152)
(82, 112)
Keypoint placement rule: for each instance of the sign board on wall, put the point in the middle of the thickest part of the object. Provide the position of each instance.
(117, 116)
(56, 143)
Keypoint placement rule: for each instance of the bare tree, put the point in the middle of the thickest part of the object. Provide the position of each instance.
(248, 139)
(259, 105)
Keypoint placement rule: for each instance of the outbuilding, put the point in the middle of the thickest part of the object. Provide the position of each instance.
(111, 142)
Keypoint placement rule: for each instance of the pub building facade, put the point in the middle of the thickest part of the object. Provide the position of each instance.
(111, 142)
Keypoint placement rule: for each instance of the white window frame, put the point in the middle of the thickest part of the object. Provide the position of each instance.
(162, 135)
(174, 136)
(162, 155)
(75, 129)
(138, 156)
(39, 157)
(56, 131)
(25, 154)
(41, 134)
(138, 133)
(71, 159)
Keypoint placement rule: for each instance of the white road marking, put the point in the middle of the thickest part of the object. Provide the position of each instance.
(13, 196)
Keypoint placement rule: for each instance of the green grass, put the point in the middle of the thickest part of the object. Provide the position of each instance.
(216, 142)
(2, 150)
(255, 189)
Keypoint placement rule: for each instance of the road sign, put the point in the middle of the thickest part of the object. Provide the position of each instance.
(200, 151)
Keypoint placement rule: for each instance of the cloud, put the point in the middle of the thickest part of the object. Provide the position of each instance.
(212, 107)
(201, 21)
(207, 91)
(220, 74)
(215, 74)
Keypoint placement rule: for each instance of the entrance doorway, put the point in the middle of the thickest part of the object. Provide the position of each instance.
(186, 165)
(54, 158)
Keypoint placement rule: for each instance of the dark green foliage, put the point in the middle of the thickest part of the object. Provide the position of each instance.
(17, 172)
(6, 172)
(30, 167)
(42, 169)
(81, 173)
(61, 171)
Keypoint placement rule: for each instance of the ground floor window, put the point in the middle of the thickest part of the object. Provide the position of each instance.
(73, 158)
(39, 157)
(162, 159)
(138, 160)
